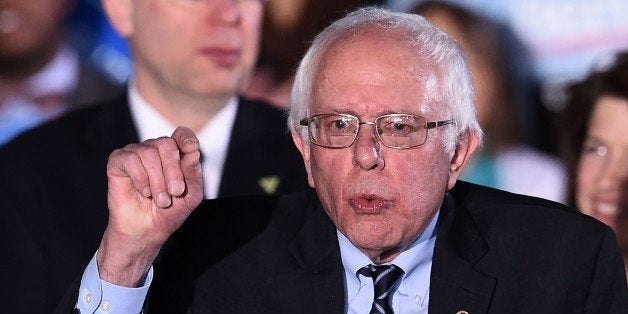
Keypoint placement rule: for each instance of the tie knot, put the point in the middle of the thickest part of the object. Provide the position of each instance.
(381, 272)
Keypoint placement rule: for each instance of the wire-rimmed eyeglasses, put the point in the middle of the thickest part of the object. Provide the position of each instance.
(398, 130)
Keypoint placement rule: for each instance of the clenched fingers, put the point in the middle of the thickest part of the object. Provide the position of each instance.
(160, 167)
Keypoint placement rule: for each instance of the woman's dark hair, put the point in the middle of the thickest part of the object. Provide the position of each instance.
(611, 81)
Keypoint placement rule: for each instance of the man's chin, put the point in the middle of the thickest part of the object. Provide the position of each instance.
(373, 245)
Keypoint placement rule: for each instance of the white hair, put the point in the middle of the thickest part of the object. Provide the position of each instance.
(453, 88)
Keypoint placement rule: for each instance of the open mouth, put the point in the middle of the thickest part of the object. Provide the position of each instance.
(369, 204)
(609, 212)
(607, 209)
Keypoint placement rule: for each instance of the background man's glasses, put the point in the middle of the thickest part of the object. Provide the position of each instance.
(400, 131)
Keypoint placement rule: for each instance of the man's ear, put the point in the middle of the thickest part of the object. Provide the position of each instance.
(467, 144)
(120, 14)
(304, 148)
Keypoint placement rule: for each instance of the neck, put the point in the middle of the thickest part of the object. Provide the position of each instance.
(183, 109)
(381, 257)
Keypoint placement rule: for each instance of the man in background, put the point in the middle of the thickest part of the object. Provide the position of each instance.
(190, 60)
(41, 75)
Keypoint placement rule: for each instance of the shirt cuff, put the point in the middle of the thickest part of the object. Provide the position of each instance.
(99, 296)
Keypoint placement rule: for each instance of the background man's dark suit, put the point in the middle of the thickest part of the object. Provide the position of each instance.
(496, 252)
(53, 191)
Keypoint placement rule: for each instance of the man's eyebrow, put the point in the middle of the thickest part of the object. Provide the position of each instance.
(387, 110)
(336, 110)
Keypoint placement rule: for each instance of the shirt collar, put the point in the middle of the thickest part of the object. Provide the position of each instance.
(151, 124)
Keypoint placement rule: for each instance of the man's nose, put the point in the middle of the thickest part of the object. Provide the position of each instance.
(367, 149)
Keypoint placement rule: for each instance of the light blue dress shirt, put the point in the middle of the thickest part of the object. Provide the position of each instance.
(412, 294)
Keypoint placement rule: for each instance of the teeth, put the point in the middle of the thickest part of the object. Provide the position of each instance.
(607, 209)
(9, 21)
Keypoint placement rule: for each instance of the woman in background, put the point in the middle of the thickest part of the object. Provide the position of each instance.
(596, 147)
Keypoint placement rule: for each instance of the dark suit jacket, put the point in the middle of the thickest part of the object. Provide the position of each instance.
(496, 252)
(53, 191)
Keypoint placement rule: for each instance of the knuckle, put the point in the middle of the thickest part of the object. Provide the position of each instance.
(163, 143)
(149, 152)
(116, 154)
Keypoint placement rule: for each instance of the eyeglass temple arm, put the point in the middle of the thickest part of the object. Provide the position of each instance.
(435, 124)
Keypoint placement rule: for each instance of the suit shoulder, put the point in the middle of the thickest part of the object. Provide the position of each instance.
(509, 211)
(294, 209)
(263, 108)
(481, 196)
(263, 114)
(78, 141)
(281, 221)
(248, 215)
(63, 129)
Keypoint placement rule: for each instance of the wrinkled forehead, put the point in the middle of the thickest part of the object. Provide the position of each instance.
(376, 62)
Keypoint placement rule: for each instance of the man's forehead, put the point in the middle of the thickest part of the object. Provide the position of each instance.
(372, 110)
(362, 63)
(382, 52)
(370, 39)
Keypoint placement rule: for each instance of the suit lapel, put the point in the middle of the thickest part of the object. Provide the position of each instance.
(243, 162)
(455, 284)
(261, 158)
(317, 286)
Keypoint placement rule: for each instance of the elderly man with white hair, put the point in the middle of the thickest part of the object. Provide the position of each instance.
(383, 116)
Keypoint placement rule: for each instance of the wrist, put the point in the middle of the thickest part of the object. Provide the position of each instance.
(124, 262)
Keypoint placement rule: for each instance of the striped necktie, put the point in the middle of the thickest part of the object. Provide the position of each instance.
(384, 279)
